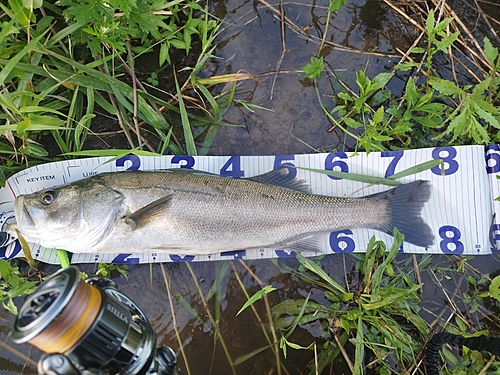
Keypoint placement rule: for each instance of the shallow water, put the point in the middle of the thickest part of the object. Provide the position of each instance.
(251, 40)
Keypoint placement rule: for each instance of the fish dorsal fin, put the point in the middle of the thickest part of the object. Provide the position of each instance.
(283, 178)
(149, 213)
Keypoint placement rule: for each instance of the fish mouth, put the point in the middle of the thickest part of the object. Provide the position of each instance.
(23, 215)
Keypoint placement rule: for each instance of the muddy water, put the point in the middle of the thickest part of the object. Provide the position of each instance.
(366, 35)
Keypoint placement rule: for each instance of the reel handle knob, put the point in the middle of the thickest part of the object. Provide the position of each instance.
(56, 364)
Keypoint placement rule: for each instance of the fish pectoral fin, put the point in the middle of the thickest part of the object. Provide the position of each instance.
(314, 242)
(149, 213)
(283, 178)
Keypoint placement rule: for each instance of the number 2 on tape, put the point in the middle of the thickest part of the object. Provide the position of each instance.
(135, 162)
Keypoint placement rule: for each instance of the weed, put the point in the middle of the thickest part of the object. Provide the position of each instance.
(13, 284)
(431, 111)
(366, 319)
(56, 77)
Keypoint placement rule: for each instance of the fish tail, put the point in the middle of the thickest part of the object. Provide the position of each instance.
(405, 206)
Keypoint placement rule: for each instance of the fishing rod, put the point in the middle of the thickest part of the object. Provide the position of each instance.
(89, 328)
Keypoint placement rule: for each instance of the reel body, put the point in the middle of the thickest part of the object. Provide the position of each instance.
(89, 327)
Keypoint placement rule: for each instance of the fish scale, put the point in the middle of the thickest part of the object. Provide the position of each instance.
(189, 212)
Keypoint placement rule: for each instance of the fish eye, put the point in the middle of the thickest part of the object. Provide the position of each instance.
(48, 196)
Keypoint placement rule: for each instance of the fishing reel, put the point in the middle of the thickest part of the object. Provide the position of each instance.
(89, 328)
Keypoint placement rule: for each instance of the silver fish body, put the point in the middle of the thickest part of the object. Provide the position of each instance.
(189, 212)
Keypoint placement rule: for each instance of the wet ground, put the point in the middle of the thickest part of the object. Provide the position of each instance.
(364, 35)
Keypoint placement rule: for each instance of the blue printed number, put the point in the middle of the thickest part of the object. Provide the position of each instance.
(133, 160)
(10, 251)
(125, 259)
(284, 254)
(492, 157)
(331, 163)
(396, 155)
(340, 243)
(185, 162)
(495, 237)
(232, 168)
(234, 254)
(448, 158)
(179, 259)
(450, 243)
(284, 161)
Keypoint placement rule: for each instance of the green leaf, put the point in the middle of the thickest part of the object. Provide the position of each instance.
(352, 123)
(265, 290)
(382, 79)
(164, 54)
(411, 92)
(247, 356)
(32, 4)
(335, 5)
(444, 86)
(443, 24)
(63, 257)
(417, 50)
(314, 68)
(356, 177)
(378, 117)
(111, 152)
(446, 41)
(2, 177)
(404, 67)
(188, 133)
(416, 169)
(490, 52)
(17, 58)
(429, 23)
(363, 82)
(315, 268)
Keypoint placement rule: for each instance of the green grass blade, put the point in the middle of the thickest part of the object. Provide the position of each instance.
(265, 290)
(15, 60)
(356, 177)
(416, 169)
(62, 255)
(188, 133)
(247, 356)
(315, 268)
(209, 97)
(209, 139)
(111, 152)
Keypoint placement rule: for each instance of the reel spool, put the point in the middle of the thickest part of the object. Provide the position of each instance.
(89, 328)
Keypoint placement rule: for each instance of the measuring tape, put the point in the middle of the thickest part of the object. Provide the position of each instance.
(461, 209)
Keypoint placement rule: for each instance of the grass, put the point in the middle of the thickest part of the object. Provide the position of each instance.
(432, 111)
(60, 71)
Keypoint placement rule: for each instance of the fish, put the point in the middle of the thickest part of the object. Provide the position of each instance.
(189, 212)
